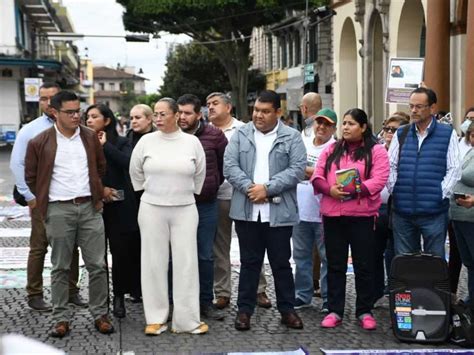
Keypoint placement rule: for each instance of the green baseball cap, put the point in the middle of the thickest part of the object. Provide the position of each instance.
(328, 114)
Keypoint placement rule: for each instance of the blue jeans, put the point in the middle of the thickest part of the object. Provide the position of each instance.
(407, 230)
(464, 232)
(205, 238)
(305, 234)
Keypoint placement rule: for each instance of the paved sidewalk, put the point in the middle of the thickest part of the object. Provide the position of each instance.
(266, 334)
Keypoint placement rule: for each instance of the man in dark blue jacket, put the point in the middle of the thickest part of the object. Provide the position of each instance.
(422, 176)
(214, 142)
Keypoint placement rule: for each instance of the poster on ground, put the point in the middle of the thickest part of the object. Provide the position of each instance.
(404, 75)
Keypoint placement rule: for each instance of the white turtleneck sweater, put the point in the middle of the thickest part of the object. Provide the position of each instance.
(170, 167)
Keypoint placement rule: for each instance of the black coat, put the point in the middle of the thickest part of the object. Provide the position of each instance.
(120, 215)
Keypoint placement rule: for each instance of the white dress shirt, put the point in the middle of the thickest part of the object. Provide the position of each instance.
(453, 170)
(70, 178)
(261, 174)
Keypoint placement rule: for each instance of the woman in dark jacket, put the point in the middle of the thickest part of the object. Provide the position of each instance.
(120, 209)
(141, 123)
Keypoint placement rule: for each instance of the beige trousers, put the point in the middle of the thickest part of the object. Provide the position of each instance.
(160, 227)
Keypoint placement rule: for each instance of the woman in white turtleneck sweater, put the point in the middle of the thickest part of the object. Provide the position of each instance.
(169, 166)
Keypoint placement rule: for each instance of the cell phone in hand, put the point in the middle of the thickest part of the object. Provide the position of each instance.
(118, 195)
(459, 195)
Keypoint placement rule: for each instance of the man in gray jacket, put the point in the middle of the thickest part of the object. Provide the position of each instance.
(264, 162)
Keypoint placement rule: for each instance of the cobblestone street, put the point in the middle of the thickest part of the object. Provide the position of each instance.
(267, 334)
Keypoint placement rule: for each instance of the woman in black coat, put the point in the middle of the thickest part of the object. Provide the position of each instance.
(141, 123)
(120, 208)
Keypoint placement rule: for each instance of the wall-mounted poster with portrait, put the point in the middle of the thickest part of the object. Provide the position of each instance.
(404, 75)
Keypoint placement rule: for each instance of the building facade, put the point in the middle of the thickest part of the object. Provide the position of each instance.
(296, 56)
(117, 88)
(26, 51)
(366, 34)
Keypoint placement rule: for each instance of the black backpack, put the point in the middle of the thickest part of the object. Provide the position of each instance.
(462, 325)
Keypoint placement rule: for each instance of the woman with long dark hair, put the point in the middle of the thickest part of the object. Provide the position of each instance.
(120, 208)
(350, 174)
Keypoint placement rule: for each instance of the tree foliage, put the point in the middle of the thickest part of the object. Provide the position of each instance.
(149, 99)
(224, 26)
(192, 68)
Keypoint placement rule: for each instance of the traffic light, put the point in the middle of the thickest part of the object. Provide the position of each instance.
(137, 38)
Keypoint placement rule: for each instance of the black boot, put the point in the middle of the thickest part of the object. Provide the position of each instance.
(119, 307)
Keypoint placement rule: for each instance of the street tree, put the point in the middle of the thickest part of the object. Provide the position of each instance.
(192, 68)
(224, 26)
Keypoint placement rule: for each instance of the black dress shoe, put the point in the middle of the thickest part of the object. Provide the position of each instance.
(242, 321)
(37, 303)
(119, 307)
(292, 320)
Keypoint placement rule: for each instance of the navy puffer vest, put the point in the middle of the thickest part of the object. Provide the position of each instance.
(420, 172)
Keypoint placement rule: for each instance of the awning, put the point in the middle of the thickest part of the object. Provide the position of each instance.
(26, 62)
(295, 82)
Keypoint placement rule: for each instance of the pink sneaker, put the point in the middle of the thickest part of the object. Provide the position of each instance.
(332, 320)
(367, 322)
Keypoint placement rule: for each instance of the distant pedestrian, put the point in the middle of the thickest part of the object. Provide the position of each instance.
(63, 168)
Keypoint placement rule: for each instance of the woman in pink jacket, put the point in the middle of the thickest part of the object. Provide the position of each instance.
(349, 208)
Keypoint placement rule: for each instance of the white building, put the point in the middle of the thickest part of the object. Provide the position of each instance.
(26, 51)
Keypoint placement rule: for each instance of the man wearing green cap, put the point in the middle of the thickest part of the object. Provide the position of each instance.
(308, 232)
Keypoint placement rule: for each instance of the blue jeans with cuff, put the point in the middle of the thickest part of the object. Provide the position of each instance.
(305, 235)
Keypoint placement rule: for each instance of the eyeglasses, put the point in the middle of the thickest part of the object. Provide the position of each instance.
(417, 107)
(71, 113)
(469, 118)
(390, 129)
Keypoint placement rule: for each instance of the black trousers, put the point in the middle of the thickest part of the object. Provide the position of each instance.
(383, 235)
(254, 239)
(339, 234)
(125, 250)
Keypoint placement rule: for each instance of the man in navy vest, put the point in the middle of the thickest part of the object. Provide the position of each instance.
(422, 176)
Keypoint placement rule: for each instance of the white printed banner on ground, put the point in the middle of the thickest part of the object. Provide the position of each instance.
(14, 232)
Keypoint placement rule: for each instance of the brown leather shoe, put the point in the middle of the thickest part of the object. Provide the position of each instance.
(104, 325)
(242, 321)
(60, 330)
(222, 302)
(292, 320)
(263, 300)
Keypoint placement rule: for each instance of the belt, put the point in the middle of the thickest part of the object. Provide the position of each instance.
(77, 200)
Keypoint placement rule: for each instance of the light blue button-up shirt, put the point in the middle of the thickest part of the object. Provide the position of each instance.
(17, 159)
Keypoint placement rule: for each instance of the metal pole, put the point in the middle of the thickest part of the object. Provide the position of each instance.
(306, 33)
